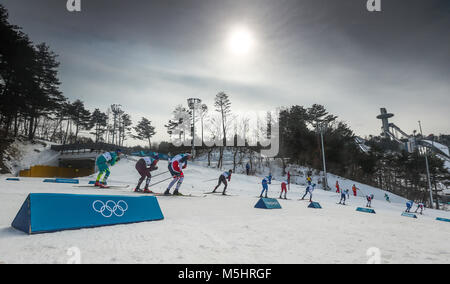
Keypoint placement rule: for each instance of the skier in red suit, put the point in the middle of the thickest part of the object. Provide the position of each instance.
(283, 189)
(176, 166)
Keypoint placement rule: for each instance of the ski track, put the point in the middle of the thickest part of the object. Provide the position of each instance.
(217, 229)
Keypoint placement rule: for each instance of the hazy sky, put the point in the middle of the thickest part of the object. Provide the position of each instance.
(150, 56)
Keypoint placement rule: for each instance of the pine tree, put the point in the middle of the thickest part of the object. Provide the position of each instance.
(145, 130)
(17, 57)
(317, 114)
(43, 97)
(80, 116)
(98, 121)
(124, 128)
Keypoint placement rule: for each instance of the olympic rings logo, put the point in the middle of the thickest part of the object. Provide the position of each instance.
(110, 207)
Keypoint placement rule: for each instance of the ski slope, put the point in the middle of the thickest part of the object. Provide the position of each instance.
(227, 229)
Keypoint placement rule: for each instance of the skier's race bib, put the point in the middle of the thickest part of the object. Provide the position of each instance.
(177, 158)
(107, 156)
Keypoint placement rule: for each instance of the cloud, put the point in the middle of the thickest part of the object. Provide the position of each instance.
(152, 55)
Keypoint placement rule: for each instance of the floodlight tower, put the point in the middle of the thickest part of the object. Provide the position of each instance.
(193, 103)
(321, 128)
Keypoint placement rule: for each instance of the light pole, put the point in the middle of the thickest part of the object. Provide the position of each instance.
(428, 169)
(321, 128)
(204, 109)
(115, 110)
(192, 103)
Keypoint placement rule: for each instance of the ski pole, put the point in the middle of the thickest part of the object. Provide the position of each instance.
(160, 174)
(159, 182)
(362, 191)
(210, 180)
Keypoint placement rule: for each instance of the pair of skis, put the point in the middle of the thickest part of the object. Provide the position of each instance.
(104, 186)
(126, 186)
(283, 198)
(168, 195)
(218, 193)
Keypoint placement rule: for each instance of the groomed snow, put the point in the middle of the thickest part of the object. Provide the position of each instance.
(227, 229)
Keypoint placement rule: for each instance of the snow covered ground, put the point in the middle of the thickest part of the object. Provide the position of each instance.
(228, 229)
(21, 155)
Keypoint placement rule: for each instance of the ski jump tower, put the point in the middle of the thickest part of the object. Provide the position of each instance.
(390, 130)
(384, 116)
(409, 142)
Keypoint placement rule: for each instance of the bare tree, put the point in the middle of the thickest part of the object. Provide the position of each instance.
(117, 113)
(180, 124)
(222, 104)
(213, 131)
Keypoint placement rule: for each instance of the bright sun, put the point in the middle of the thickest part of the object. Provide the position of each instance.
(240, 41)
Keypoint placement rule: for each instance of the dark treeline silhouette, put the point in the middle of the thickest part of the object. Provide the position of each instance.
(402, 172)
(300, 140)
(29, 87)
(385, 166)
(32, 105)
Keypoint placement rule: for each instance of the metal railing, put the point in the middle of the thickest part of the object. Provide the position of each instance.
(89, 147)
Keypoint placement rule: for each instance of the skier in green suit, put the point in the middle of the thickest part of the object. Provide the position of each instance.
(102, 163)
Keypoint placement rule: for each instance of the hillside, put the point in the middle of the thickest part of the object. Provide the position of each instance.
(227, 229)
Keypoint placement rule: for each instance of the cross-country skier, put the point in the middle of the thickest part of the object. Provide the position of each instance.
(247, 168)
(265, 185)
(289, 180)
(337, 187)
(102, 163)
(369, 200)
(421, 207)
(284, 184)
(387, 198)
(309, 180)
(409, 205)
(309, 189)
(223, 179)
(354, 188)
(176, 166)
(144, 166)
(343, 197)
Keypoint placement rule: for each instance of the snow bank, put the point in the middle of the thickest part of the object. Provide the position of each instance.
(22, 155)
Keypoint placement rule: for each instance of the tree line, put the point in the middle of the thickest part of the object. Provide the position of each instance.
(33, 106)
(385, 165)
